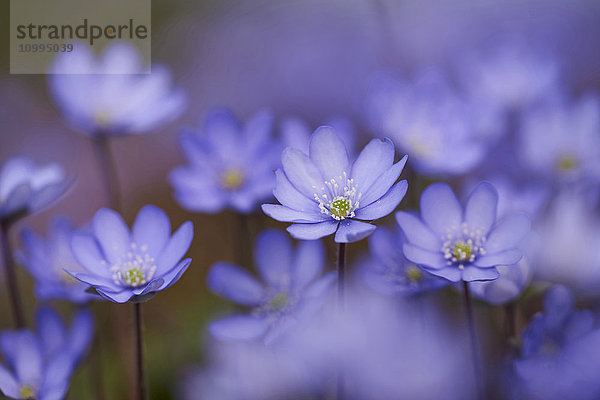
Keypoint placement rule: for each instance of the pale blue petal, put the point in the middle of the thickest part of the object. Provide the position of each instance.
(273, 258)
(112, 234)
(285, 214)
(308, 263)
(238, 327)
(87, 252)
(152, 229)
(480, 211)
(351, 230)
(507, 233)
(440, 208)
(8, 384)
(301, 172)
(313, 231)
(507, 257)
(376, 157)
(382, 184)
(290, 197)
(385, 205)
(328, 153)
(175, 248)
(416, 232)
(429, 259)
(235, 284)
(472, 273)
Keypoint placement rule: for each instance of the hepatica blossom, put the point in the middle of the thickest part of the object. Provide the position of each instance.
(389, 272)
(39, 364)
(229, 165)
(121, 264)
(562, 141)
(46, 260)
(324, 193)
(458, 244)
(26, 187)
(296, 133)
(441, 131)
(111, 95)
(292, 287)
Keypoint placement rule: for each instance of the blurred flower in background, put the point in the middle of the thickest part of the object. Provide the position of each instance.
(46, 259)
(296, 133)
(229, 165)
(293, 287)
(26, 187)
(120, 264)
(40, 364)
(108, 95)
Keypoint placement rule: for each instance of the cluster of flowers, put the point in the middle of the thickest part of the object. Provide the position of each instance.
(523, 157)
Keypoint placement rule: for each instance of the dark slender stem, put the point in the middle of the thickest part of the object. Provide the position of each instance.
(139, 348)
(108, 168)
(242, 239)
(341, 288)
(11, 279)
(341, 267)
(473, 336)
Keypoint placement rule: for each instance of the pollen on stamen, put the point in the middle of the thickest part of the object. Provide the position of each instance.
(134, 268)
(343, 201)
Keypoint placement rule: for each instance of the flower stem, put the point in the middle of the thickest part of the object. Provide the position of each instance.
(11, 279)
(341, 287)
(341, 267)
(139, 349)
(109, 171)
(473, 337)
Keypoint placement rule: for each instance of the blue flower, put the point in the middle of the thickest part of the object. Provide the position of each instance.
(46, 260)
(121, 265)
(561, 348)
(323, 193)
(511, 75)
(26, 187)
(561, 141)
(387, 271)
(229, 165)
(442, 132)
(40, 364)
(292, 287)
(110, 95)
(296, 133)
(462, 245)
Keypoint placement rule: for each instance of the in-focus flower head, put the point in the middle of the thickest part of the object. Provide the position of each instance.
(229, 165)
(109, 95)
(26, 187)
(324, 193)
(562, 141)
(560, 348)
(121, 264)
(442, 132)
(293, 287)
(458, 244)
(387, 270)
(46, 260)
(39, 364)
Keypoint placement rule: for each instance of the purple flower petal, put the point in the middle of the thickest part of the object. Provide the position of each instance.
(285, 214)
(453, 274)
(416, 232)
(235, 284)
(175, 248)
(328, 152)
(8, 384)
(54, 333)
(384, 205)
(472, 273)
(308, 263)
(313, 231)
(87, 252)
(273, 258)
(238, 327)
(424, 257)
(480, 211)
(301, 172)
(121, 296)
(171, 277)
(383, 183)
(376, 157)
(507, 233)
(290, 197)
(507, 257)
(112, 234)
(440, 208)
(152, 229)
(27, 361)
(351, 230)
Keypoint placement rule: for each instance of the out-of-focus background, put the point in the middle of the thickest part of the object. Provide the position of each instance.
(306, 58)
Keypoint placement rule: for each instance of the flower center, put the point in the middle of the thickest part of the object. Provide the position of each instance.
(462, 246)
(279, 301)
(339, 198)
(414, 274)
(567, 163)
(232, 179)
(27, 392)
(134, 268)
